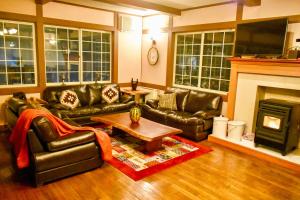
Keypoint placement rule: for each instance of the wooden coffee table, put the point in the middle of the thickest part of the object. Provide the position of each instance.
(146, 130)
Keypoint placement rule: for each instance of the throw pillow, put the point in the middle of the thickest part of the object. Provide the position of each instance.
(167, 101)
(82, 94)
(95, 94)
(69, 98)
(110, 94)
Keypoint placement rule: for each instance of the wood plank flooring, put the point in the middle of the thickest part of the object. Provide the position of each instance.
(221, 174)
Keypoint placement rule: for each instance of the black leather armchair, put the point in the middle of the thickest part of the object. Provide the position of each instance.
(53, 157)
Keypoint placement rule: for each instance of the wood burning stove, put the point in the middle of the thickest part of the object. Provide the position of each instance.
(278, 124)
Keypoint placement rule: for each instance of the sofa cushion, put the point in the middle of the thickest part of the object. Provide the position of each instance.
(77, 138)
(69, 98)
(82, 111)
(83, 95)
(167, 101)
(15, 103)
(198, 101)
(110, 93)
(184, 118)
(181, 96)
(44, 130)
(115, 107)
(95, 94)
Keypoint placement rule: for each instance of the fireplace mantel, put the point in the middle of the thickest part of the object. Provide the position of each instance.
(277, 67)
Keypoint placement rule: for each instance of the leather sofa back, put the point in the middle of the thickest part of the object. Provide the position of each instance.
(87, 94)
(181, 96)
(198, 100)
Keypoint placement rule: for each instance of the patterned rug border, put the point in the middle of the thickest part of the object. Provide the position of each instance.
(138, 175)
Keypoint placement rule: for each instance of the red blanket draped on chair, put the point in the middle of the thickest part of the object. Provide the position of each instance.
(19, 133)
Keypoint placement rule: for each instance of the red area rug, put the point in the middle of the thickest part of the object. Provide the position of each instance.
(137, 165)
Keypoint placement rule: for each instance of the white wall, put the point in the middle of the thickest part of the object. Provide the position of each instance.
(18, 6)
(129, 53)
(272, 8)
(77, 13)
(155, 74)
(222, 13)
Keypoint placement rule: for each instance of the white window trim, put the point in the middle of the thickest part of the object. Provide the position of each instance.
(198, 88)
(34, 56)
(80, 70)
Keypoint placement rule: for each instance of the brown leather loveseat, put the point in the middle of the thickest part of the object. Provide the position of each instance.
(194, 114)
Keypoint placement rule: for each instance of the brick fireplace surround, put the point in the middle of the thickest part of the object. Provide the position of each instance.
(262, 68)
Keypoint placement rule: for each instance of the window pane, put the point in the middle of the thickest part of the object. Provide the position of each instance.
(27, 54)
(87, 76)
(208, 38)
(204, 83)
(225, 74)
(105, 76)
(197, 39)
(97, 47)
(11, 42)
(180, 49)
(194, 81)
(105, 66)
(74, 45)
(224, 86)
(2, 67)
(1, 41)
(51, 66)
(13, 66)
(87, 66)
(228, 50)
(74, 77)
(215, 73)
(218, 37)
(86, 36)
(25, 30)
(178, 80)
(105, 47)
(196, 49)
(52, 78)
(26, 43)
(205, 72)
(96, 37)
(27, 66)
(50, 44)
(12, 54)
(62, 44)
(226, 63)
(62, 33)
(180, 39)
(106, 37)
(217, 50)
(74, 67)
(87, 56)
(28, 78)
(51, 56)
(3, 79)
(87, 46)
(11, 29)
(73, 34)
(206, 61)
(14, 78)
(207, 49)
(2, 54)
(216, 61)
(229, 37)
(214, 84)
(74, 56)
(189, 39)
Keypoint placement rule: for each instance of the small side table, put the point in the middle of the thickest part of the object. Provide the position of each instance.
(139, 93)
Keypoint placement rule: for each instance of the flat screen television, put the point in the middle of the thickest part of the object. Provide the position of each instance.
(262, 38)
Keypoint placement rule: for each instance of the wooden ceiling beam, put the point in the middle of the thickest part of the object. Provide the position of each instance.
(42, 1)
(250, 3)
(145, 5)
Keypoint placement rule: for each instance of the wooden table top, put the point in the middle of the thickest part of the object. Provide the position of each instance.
(139, 90)
(146, 130)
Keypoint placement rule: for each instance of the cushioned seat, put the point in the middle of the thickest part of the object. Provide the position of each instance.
(82, 111)
(183, 118)
(48, 160)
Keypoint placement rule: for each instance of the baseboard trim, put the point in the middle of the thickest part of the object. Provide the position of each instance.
(257, 154)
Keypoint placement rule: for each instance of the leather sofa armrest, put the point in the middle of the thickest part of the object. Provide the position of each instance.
(125, 98)
(59, 106)
(208, 114)
(71, 140)
(34, 143)
(153, 103)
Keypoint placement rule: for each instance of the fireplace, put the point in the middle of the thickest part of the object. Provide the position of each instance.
(278, 124)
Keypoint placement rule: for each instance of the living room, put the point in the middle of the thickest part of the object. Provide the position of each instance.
(50, 46)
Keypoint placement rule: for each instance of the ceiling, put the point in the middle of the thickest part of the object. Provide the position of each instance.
(120, 6)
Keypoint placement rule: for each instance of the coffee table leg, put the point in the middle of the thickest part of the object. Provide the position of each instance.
(153, 145)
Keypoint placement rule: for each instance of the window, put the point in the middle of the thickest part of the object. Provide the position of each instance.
(65, 46)
(201, 62)
(96, 56)
(17, 53)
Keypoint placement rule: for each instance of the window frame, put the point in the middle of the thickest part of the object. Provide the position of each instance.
(198, 88)
(110, 59)
(80, 52)
(34, 49)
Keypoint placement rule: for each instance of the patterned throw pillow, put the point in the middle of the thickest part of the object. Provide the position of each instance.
(167, 101)
(69, 98)
(110, 94)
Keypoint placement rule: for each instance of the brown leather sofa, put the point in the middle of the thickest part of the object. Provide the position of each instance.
(194, 114)
(90, 102)
(53, 157)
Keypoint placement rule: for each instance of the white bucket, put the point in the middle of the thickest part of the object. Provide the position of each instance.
(236, 129)
(220, 126)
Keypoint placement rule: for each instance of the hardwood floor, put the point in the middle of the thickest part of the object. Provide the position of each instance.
(221, 174)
